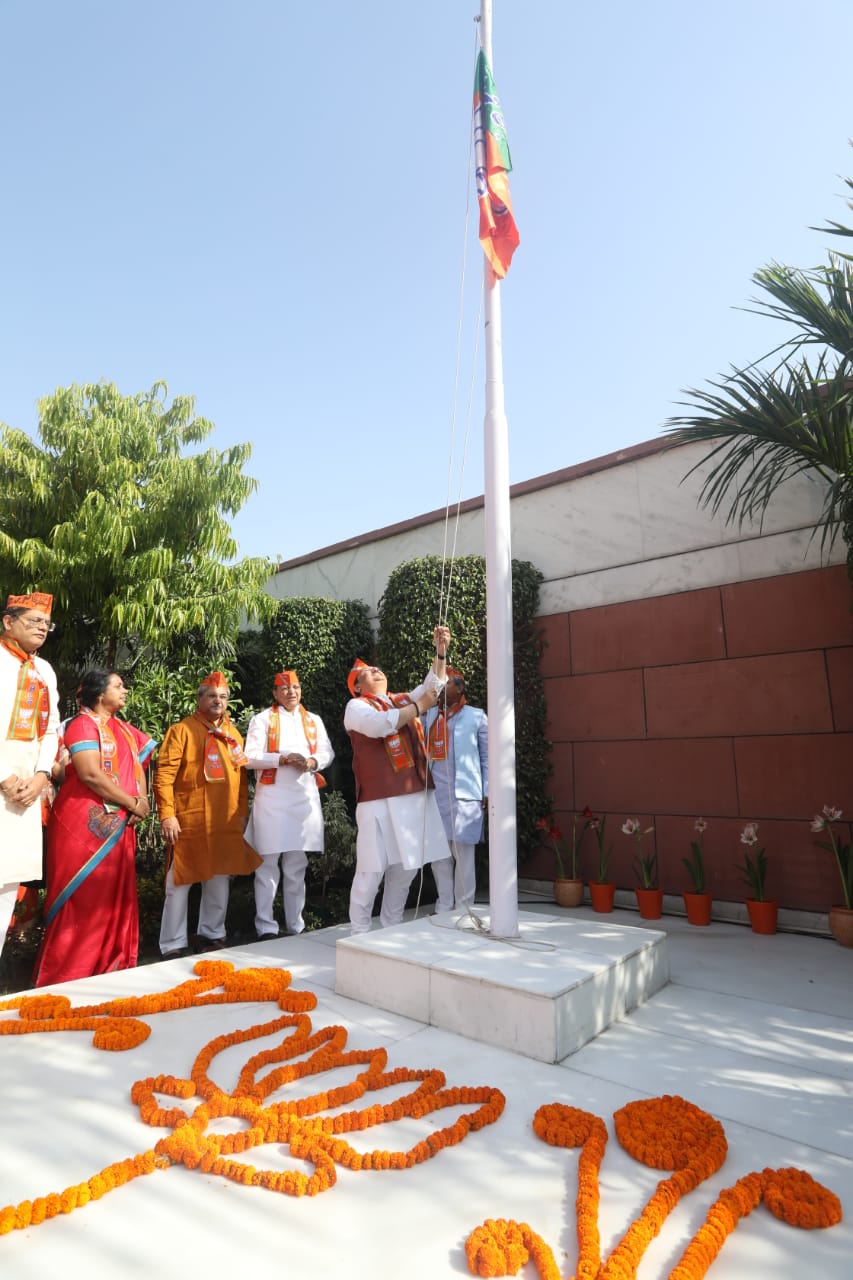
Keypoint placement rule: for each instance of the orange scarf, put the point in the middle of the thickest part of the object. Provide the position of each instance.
(396, 747)
(108, 748)
(31, 709)
(214, 765)
(438, 732)
(309, 728)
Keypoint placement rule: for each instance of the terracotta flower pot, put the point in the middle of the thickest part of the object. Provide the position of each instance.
(568, 893)
(698, 907)
(762, 915)
(650, 902)
(841, 925)
(601, 896)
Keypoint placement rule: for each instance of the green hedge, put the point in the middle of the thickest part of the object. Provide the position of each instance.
(408, 611)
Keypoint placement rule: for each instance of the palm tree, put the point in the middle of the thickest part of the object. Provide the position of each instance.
(788, 412)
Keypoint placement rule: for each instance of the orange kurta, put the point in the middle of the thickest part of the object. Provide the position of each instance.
(212, 814)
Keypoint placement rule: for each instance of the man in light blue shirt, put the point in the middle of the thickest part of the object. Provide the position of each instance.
(458, 751)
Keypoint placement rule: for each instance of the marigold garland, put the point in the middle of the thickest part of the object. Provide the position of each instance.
(501, 1248)
(795, 1197)
(563, 1126)
(665, 1133)
(297, 1123)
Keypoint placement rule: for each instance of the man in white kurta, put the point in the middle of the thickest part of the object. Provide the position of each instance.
(399, 825)
(29, 723)
(287, 747)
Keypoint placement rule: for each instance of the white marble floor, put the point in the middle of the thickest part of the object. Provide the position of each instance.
(758, 1031)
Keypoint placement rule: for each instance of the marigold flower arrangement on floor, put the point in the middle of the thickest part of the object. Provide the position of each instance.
(298, 1123)
(669, 1134)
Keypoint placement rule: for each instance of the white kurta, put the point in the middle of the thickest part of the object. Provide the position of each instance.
(20, 829)
(402, 829)
(287, 814)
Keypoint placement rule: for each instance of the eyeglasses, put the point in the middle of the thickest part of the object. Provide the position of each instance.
(33, 624)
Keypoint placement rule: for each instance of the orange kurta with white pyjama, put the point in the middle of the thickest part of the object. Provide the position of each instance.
(212, 813)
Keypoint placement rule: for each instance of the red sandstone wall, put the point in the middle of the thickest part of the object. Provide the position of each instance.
(733, 703)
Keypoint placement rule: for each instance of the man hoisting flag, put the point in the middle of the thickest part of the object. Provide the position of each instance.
(498, 232)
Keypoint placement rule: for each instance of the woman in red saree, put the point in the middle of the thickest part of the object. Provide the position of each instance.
(91, 908)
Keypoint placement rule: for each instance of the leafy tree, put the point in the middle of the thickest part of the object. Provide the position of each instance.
(126, 529)
(789, 412)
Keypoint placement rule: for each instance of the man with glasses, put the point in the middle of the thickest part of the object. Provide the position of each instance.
(29, 722)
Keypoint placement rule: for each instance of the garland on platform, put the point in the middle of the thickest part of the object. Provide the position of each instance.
(310, 1136)
(665, 1133)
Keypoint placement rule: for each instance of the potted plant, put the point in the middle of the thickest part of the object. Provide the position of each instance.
(568, 887)
(601, 890)
(649, 893)
(762, 912)
(840, 917)
(697, 903)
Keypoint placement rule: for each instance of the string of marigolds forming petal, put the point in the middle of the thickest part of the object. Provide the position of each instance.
(665, 1133)
(298, 1123)
(568, 1127)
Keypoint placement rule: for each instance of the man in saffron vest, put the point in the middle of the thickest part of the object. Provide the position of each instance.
(29, 722)
(399, 826)
(202, 797)
(287, 747)
(458, 750)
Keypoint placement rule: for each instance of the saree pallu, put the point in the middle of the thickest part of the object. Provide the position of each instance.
(91, 907)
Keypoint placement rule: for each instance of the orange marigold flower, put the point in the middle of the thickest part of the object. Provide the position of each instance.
(794, 1196)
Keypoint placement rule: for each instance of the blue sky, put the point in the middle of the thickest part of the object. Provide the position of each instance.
(263, 202)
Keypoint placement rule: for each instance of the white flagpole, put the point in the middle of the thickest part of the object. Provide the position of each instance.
(503, 866)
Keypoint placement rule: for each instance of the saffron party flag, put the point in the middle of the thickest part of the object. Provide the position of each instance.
(498, 232)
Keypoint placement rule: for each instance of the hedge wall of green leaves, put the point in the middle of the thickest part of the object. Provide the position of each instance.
(408, 611)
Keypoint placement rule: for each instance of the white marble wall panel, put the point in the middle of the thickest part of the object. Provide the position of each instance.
(709, 567)
(624, 532)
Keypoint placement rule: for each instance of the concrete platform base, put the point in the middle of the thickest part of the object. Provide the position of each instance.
(544, 994)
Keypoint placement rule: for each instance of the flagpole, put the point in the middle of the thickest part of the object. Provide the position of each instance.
(503, 864)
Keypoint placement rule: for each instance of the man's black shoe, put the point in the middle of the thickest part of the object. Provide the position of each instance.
(267, 937)
(200, 943)
(176, 955)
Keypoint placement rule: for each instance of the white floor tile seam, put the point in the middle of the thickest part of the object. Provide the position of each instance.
(663, 1005)
(757, 1060)
(812, 1082)
(731, 1118)
(715, 984)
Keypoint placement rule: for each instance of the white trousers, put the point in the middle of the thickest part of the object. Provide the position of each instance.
(211, 914)
(365, 886)
(465, 873)
(455, 877)
(8, 898)
(291, 866)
